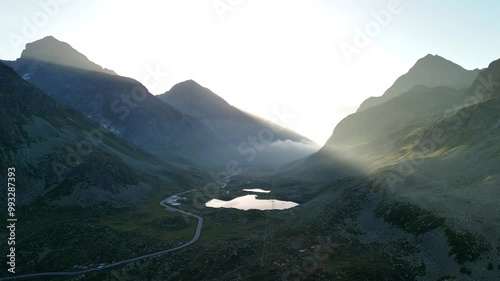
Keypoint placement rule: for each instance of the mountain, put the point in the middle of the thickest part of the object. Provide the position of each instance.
(195, 100)
(430, 71)
(79, 188)
(122, 105)
(429, 89)
(410, 195)
(417, 189)
(62, 158)
(234, 127)
(415, 106)
(49, 50)
(181, 130)
(356, 140)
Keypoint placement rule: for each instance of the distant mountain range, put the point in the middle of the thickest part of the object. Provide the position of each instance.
(120, 104)
(234, 127)
(172, 131)
(66, 159)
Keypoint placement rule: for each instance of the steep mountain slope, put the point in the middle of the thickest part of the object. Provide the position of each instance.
(462, 136)
(459, 109)
(120, 104)
(418, 105)
(349, 149)
(234, 127)
(73, 180)
(423, 196)
(430, 71)
(62, 158)
(359, 134)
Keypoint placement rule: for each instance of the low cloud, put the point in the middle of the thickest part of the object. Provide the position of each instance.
(283, 152)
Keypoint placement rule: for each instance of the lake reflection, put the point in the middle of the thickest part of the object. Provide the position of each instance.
(257, 190)
(250, 202)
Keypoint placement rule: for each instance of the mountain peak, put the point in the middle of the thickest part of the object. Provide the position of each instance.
(188, 83)
(191, 90)
(430, 71)
(51, 50)
(193, 99)
(50, 38)
(436, 61)
(432, 58)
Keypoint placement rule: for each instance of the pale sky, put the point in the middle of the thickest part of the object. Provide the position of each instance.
(263, 56)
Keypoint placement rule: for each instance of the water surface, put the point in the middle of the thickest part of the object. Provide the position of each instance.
(250, 202)
(257, 190)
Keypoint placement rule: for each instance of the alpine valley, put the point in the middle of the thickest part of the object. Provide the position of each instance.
(406, 188)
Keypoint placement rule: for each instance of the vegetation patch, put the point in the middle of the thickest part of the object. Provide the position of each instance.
(465, 246)
(408, 217)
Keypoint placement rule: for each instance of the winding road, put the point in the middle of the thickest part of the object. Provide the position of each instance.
(103, 267)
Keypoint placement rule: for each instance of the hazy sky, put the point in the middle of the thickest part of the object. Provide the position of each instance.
(264, 56)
